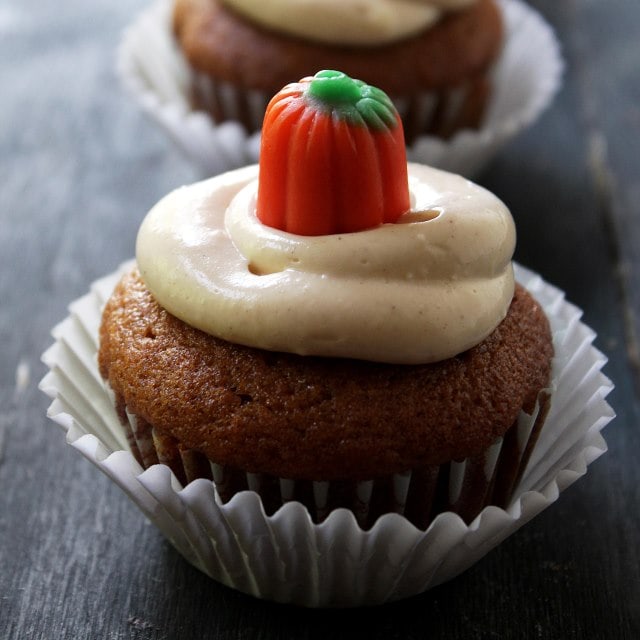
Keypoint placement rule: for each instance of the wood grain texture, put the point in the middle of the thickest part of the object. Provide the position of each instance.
(80, 165)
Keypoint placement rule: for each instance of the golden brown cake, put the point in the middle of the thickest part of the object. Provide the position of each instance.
(439, 76)
(313, 418)
(220, 398)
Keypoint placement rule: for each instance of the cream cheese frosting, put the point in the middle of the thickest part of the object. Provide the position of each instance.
(349, 22)
(423, 289)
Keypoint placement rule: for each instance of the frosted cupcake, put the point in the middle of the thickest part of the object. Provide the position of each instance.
(335, 327)
(286, 537)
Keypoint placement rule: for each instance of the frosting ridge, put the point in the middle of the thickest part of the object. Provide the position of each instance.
(424, 289)
(350, 22)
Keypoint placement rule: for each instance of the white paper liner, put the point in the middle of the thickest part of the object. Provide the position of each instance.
(433, 111)
(286, 557)
(526, 77)
(463, 487)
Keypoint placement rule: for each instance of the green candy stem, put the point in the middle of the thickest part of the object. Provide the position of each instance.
(352, 100)
(334, 87)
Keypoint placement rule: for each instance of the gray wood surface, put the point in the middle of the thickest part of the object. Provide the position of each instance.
(79, 167)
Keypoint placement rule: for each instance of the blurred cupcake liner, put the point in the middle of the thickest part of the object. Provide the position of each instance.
(287, 557)
(437, 112)
(525, 79)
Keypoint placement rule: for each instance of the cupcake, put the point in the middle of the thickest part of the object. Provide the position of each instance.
(351, 530)
(524, 79)
(433, 57)
(335, 328)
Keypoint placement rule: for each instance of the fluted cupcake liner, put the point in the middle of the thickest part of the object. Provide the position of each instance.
(524, 80)
(441, 113)
(286, 556)
(463, 487)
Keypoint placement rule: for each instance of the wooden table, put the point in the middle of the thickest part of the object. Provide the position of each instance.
(79, 167)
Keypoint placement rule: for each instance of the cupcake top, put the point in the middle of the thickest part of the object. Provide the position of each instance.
(347, 22)
(300, 256)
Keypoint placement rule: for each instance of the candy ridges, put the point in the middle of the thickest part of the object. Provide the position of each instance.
(332, 158)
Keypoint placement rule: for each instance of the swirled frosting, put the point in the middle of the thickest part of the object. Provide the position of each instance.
(350, 22)
(424, 289)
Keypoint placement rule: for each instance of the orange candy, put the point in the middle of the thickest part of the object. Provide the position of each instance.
(332, 158)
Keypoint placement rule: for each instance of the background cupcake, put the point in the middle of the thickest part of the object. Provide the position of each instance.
(523, 79)
(432, 57)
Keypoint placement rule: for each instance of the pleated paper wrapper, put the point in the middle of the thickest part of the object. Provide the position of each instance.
(525, 79)
(286, 557)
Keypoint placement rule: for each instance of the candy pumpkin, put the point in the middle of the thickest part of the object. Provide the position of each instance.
(332, 158)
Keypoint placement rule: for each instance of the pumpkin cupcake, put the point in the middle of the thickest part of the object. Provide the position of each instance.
(433, 57)
(334, 328)
(280, 375)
